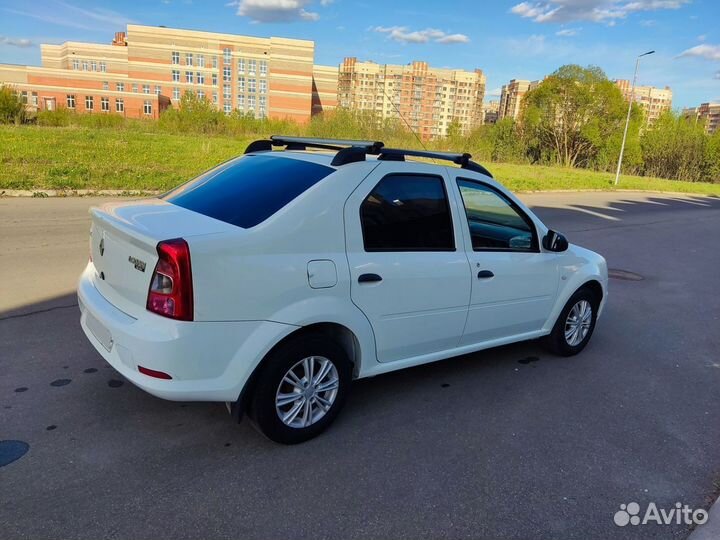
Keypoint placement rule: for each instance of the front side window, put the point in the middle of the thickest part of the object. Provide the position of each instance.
(158, 90)
(227, 55)
(407, 212)
(263, 68)
(214, 79)
(71, 101)
(76, 63)
(175, 57)
(105, 104)
(252, 64)
(176, 75)
(495, 222)
(189, 59)
(89, 103)
(227, 75)
(201, 61)
(119, 105)
(103, 67)
(176, 93)
(146, 88)
(200, 77)
(120, 87)
(241, 65)
(147, 108)
(189, 77)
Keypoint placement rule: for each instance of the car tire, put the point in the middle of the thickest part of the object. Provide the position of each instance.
(285, 406)
(574, 326)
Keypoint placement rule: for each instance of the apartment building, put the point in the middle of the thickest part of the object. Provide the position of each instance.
(490, 111)
(654, 101)
(324, 88)
(708, 113)
(428, 99)
(511, 96)
(148, 68)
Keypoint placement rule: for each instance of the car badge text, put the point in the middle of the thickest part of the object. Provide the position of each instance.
(137, 263)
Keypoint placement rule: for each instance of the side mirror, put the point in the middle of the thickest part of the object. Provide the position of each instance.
(554, 241)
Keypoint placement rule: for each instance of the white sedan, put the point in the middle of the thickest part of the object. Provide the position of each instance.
(274, 279)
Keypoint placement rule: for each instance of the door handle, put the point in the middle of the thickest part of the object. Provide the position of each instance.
(369, 278)
(485, 274)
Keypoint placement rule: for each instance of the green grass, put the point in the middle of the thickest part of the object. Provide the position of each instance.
(35, 158)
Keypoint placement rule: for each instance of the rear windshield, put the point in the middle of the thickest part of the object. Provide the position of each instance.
(248, 190)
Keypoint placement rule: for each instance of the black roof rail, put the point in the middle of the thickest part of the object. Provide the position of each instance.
(350, 151)
(398, 154)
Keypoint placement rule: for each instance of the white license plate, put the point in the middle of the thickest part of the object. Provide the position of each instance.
(101, 333)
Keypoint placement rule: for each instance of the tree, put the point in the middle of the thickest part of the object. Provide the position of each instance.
(571, 115)
(12, 109)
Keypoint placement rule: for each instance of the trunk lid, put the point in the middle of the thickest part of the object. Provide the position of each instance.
(123, 245)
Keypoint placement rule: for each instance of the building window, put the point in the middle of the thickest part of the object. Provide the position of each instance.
(227, 55)
(175, 57)
(227, 92)
(241, 84)
(263, 105)
(176, 93)
(226, 74)
(119, 105)
(188, 59)
(147, 107)
(241, 65)
(240, 102)
(104, 104)
(85, 65)
(120, 87)
(135, 88)
(158, 90)
(103, 67)
(76, 63)
(263, 68)
(189, 77)
(93, 65)
(200, 77)
(106, 85)
(251, 85)
(215, 98)
(201, 61)
(89, 103)
(34, 98)
(201, 94)
(214, 62)
(175, 75)
(70, 101)
(251, 103)
(146, 88)
(214, 79)
(263, 86)
(227, 107)
(252, 66)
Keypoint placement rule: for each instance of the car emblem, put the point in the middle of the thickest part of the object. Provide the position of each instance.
(102, 246)
(137, 263)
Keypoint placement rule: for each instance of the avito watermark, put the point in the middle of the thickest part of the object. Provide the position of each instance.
(680, 514)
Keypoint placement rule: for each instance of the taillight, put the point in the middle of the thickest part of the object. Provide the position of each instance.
(171, 292)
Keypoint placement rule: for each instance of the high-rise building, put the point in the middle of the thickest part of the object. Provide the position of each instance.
(324, 88)
(708, 113)
(147, 69)
(511, 97)
(654, 101)
(428, 99)
(490, 111)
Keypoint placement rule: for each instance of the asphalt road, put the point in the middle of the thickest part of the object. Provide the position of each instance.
(507, 443)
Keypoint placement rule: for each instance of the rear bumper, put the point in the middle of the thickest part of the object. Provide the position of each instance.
(208, 361)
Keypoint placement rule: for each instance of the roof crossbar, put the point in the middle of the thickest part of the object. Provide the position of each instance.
(398, 154)
(350, 151)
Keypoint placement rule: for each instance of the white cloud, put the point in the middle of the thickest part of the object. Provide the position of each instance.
(402, 34)
(270, 11)
(16, 42)
(708, 52)
(567, 32)
(68, 15)
(601, 11)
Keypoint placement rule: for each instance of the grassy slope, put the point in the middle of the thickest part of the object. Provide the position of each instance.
(81, 158)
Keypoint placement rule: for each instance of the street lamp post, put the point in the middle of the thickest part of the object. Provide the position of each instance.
(627, 120)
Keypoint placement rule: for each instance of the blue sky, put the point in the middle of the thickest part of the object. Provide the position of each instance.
(512, 39)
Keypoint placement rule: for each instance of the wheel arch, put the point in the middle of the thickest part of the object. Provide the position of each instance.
(340, 333)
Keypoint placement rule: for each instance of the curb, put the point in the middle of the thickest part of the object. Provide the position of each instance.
(44, 193)
(711, 529)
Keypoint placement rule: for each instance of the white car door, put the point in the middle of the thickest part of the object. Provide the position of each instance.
(514, 283)
(408, 267)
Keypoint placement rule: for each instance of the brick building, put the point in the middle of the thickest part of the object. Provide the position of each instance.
(654, 101)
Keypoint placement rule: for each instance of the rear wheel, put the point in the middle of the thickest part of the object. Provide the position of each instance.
(300, 389)
(575, 324)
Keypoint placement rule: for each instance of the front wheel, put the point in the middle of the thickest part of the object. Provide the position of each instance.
(575, 324)
(300, 389)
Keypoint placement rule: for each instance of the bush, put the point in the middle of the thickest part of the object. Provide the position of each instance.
(12, 110)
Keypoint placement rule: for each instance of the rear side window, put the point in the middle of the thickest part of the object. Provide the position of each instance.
(248, 190)
(407, 212)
